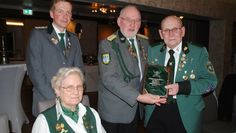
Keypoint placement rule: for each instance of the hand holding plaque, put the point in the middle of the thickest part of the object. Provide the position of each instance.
(155, 79)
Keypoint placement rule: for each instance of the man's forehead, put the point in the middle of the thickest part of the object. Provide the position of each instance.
(130, 12)
(62, 4)
(171, 22)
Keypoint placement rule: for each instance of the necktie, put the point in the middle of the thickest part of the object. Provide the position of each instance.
(132, 43)
(62, 42)
(171, 63)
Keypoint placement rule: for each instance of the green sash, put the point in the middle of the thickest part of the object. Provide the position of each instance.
(128, 76)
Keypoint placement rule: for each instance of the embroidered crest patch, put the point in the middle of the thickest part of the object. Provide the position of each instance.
(106, 58)
(210, 67)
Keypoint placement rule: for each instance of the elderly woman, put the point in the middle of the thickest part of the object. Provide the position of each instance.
(68, 115)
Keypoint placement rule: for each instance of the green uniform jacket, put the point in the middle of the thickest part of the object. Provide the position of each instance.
(195, 73)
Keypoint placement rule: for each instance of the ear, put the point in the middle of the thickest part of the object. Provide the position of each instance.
(118, 21)
(160, 33)
(183, 31)
(51, 14)
(57, 92)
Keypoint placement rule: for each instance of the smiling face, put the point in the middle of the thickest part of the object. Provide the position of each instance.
(61, 14)
(129, 21)
(172, 31)
(70, 91)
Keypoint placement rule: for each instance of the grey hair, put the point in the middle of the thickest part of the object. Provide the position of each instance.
(63, 73)
(122, 12)
(172, 16)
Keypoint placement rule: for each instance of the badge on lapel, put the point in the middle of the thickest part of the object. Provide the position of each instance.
(106, 58)
(54, 40)
(210, 67)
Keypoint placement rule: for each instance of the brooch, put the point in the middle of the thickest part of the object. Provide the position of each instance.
(60, 127)
(54, 41)
(185, 77)
(144, 53)
(182, 62)
(69, 44)
(132, 51)
(192, 75)
(210, 67)
(154, 61)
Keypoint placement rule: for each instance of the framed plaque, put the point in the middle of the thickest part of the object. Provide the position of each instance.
(156, 77)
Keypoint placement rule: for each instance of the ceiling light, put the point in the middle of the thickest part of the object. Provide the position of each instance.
(14, 23)
(103, 8)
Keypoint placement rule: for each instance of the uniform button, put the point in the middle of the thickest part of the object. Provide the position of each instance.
(64, 63)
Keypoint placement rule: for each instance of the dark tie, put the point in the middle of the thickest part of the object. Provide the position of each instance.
(134, 50)
(171, 64)
(62, 41)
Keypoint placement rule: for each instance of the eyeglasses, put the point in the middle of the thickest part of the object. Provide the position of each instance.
(71, 88)
(129, 20)
(174, 30)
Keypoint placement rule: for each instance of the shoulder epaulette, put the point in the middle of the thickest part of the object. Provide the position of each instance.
(142, 36)
(111, 37)
(40, 27)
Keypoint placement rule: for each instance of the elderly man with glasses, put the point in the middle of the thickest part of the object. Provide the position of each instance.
(192, 76)
(122, 57)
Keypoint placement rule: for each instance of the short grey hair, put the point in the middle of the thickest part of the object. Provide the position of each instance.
(124, 10)
(54, 2)
(63, 73)
(172, 16)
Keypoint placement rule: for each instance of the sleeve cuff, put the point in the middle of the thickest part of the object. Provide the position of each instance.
(184, 88)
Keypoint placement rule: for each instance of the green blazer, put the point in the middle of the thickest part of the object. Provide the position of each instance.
(195, 69)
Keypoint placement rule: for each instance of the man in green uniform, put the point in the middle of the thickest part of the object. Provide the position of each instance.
(193, 76)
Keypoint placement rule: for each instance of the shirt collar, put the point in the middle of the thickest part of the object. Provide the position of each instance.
(56, 29)
(177, 49)
(132, 38)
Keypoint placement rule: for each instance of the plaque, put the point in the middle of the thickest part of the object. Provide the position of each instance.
(156, 77)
